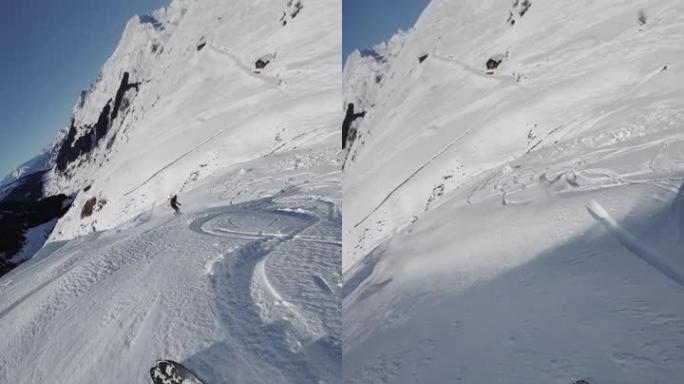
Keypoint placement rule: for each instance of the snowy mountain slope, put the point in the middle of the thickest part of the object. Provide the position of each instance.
(529, 217)
(241, 293)
(199, 102)
(243, 286)
(362, 77)
(363, 71)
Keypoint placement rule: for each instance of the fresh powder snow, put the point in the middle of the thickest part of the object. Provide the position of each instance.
(513, 196)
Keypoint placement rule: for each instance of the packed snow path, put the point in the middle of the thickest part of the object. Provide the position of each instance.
(245, 293)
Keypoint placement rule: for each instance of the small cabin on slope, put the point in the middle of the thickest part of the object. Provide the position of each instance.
(263, 61)
(493, 63)
(261, 64)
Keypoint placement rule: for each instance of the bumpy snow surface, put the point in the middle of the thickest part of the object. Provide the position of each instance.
(244, 285)
(523, 225)
(241, 293)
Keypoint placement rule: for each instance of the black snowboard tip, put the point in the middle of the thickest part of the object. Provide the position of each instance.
(172, 372)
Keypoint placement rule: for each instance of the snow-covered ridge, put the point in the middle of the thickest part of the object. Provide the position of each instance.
(362, 79)
(364, 71)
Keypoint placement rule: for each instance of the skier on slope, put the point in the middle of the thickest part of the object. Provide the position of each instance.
(175, 204)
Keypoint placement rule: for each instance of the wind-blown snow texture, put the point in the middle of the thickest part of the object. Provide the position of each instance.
(525, 225)
(244, 285)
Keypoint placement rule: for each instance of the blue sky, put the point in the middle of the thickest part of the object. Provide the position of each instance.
(51, 50)
(368, 22)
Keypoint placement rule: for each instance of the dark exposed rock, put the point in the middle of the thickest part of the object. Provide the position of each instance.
(494, 62)
(641, 17)
(123, 87)
(261, 63)
(69, 150)
(17, 217)
(346, 124)
(72, 148)
(102, 125)
(201, 45)
(510, 19)
(6, 266)
(524, 7)
(292, 10)
(88, 207)
(519, 9)
(82, 98)
(110, 142)
(422, 58)
(298, 6)
(264, 60)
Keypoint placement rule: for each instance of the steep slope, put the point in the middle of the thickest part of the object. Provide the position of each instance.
(181, 97)
(364, 71)
(243, 286)
(363, 76)
(512, 203)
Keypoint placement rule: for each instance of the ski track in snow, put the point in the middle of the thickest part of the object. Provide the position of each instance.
(180, 297)
(633, 244)
(413, 174)
(260, 318)
(594, 178)
(481, 264)
(248, 71)
(179, 158)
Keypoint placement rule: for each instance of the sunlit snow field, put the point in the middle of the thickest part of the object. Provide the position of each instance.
(523, 225)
